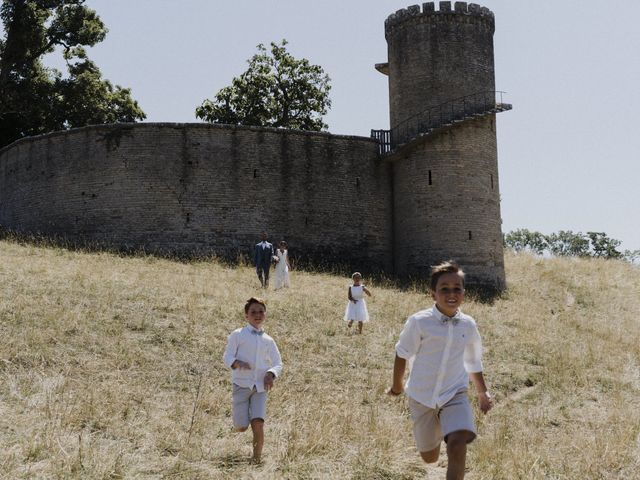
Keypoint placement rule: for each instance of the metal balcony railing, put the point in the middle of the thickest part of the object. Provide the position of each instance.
(445, 114)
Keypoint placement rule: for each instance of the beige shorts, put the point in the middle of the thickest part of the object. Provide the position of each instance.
(247, 404)
(431, 426)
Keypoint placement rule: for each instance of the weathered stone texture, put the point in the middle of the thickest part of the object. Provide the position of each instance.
(446, 203)
(203, 189)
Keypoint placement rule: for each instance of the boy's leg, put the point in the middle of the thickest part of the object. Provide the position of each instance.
(426, 430)
(459, 429)
(457, 453)
(240, 407)
(431, 456)
(258, 412)
(257, 427)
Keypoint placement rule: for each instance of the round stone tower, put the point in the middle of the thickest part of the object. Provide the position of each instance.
(443, 140)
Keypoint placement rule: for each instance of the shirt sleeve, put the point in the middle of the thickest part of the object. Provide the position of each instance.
(232, 348)
(409, 341)
(276, 360)
(473, 352)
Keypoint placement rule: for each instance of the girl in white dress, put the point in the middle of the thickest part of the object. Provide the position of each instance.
(282, 266)
(357, 308)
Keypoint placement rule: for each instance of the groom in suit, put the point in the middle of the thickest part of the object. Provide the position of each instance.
(262, 256)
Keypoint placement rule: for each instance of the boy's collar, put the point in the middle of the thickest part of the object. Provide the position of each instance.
(253, 329)
(445, 318)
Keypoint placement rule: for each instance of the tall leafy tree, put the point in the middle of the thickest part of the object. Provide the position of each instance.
(277, 90)
(35, 99)
(568, 243)
(523, 239)
(603, 246)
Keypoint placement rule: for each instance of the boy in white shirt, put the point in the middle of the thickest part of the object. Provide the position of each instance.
(255, 363)
(447, 349)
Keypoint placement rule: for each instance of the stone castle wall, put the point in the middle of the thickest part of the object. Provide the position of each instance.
(203, 189)
(447, 203)
(200, 189)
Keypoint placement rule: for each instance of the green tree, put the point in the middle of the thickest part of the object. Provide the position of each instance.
(569, 244)
(523, 239)
(35, 99)
(603, 246)
(277, 90)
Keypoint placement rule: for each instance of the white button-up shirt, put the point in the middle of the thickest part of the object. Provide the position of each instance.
(258, 350)
(444, 351)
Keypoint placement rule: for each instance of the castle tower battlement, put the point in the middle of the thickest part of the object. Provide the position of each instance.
(461, 11)
(436, 56)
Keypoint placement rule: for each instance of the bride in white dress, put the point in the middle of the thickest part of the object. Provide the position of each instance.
(282, 266)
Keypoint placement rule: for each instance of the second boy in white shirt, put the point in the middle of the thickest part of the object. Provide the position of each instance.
(446, 349)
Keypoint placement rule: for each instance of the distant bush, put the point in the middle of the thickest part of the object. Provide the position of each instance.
(566, 243)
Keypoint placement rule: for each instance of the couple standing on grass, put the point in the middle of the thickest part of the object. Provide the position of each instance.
(443, 343)
(264, 255)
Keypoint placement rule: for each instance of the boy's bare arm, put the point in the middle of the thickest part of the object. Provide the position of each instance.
(399, 366)
(484, 398)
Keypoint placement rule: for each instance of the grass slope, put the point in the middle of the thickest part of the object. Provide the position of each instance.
(111, 368)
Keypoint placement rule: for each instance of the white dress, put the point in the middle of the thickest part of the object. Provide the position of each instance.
(357, 311)
(282, 270)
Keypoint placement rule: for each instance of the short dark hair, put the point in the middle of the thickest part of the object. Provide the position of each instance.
(253, 300)
(450, 266)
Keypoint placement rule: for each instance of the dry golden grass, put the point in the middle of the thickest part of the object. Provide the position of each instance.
(111, 368)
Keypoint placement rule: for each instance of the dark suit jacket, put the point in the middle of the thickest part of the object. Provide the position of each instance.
(263, 254)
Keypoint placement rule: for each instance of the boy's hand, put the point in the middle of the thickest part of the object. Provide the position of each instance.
(268, 381)
(241, 365)
(485, 401)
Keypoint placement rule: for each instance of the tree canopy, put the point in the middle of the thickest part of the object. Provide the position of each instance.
(277, 90)
(35, 99)
(568, 244)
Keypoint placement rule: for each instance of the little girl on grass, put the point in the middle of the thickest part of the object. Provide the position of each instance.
(357, 308)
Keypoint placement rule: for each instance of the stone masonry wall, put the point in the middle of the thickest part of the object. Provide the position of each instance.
(203, 189)
(447, 203)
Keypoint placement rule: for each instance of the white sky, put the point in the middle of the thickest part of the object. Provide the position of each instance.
(568, 151)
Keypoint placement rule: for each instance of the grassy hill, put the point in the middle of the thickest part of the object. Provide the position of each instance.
(111, 368)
